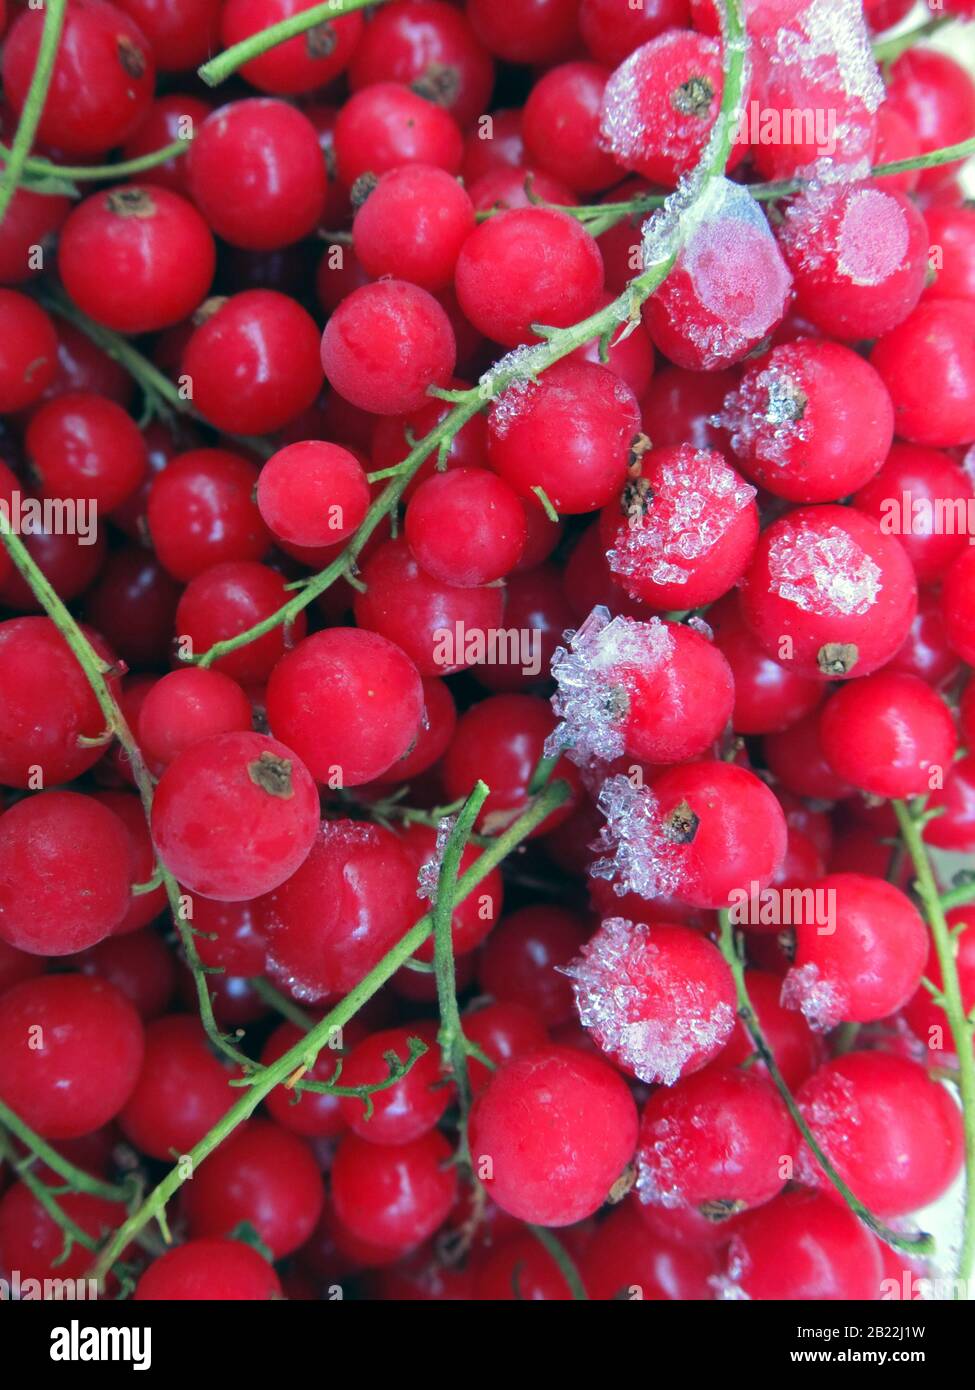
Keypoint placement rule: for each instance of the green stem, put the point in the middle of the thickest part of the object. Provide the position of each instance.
(958, 897)
(79, 1180)
(951, 1002)
(96, 673)
(563, 1259)
(218, 69)
(916, 1245)
(888, 50)
(297, 1056)
(97, 173)
(34, 105)
(282, 1003)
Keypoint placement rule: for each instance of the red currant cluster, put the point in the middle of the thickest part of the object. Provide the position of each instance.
(487, 591)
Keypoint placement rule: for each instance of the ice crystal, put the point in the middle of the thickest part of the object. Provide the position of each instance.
(511, 382)
(831, 39)
(699, 626)
(763, 415)
(635, 853)
(818, 999)
(591, 674)
(611, 980)
(827, 574)
(657, 1168)
(428, 874)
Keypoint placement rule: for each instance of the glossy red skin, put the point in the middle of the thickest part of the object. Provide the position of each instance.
(413, 225)
(520, 1268)
(139, 965)
(939, 408)
(559, 1127)
(796, 1049)
(102, 82)
(393, 1195)
(89, 1060)
(507, 187)
(409, 607)
(858, 256)
(542, 33)
(142, 907)
(767, 696)
(337, 916)
(47, 705)
(504, 148)
(437, 725)
(385, 345)
(254, 363)
(83, 446)
(502, 1031)
(741, 836)
(202, 512)
(31, 219)
(501, 739)
(717, 1137)
(955, 827)
(889, 735)
(535, 602)
(893, 1134)
(475, 916)
(182, 1090)
(519, 963)
(390, 446)
(870, 966)
(136, 259)
(588, 581)
(570, 435)
(349, 702)
(229, 599)
(181, 33)
(560, 125)
(133, 603)
(525, 266)
(28, 351)
(706, 576)
(466, 527)
(925, 1016)
(221, 831)
(65, 873)
(625, 1260)
(678, 406)
(647, 94)
(611, 31)
(68, 565)
(313, 1116)
(936, 96)
(952, 230)
(312, 493)
(804, 1247)
(256, 173)
(958, 606)
(797, 761)
(630, 358)
(209, 1269)
(926, 652)
(386, 125)
(31, 1241)
(912, 477)
(897, 140)
(188, 706)
(262, 1175)
(410, 1108)
(847, 422)
(169, 118)
(413, 44)
(301, 64)
(877, 634)
(229, 936)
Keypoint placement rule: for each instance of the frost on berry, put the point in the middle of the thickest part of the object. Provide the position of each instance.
(658, 1165)
(727, 1286)
(609, 981)
(702, 628)
(512, 382)
(591, 674)
(623, 130)
(636, 855)
(832, 1113)
(765, 415)
(691, 508)
(825, 573)
(830, 44)
(428, 874)
(818, 1000)
(863, 230)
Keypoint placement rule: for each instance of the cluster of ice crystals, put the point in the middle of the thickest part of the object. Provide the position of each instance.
(761, 415)
(428, 875)
(657, 1168)
(862, 229)
(702, 628)
(834, 1117)
(818, 999)
(623, 130)
(636, 856)
(827, 574)
(609, 983)
(591, 674)
(516, 374)
(691, 510)
(727, 1286)
(832, 40)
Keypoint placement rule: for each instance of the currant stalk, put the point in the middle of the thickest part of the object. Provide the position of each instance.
(218, 69)
(922, 1244)
(78, 1180)
(950, 999)
(34, 105)
(97, 173)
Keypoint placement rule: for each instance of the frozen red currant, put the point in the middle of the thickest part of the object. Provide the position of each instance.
(394, 1195)
(385, 125)
(209, 1269)
(85, 447)
(301, 64)
(226, 600)
(313, 493)
(187, 706)
(413, 225)
(560, 124)
(182, 1089)
(28, 351)
(889, 735)
(928, 365)
(466, 527)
